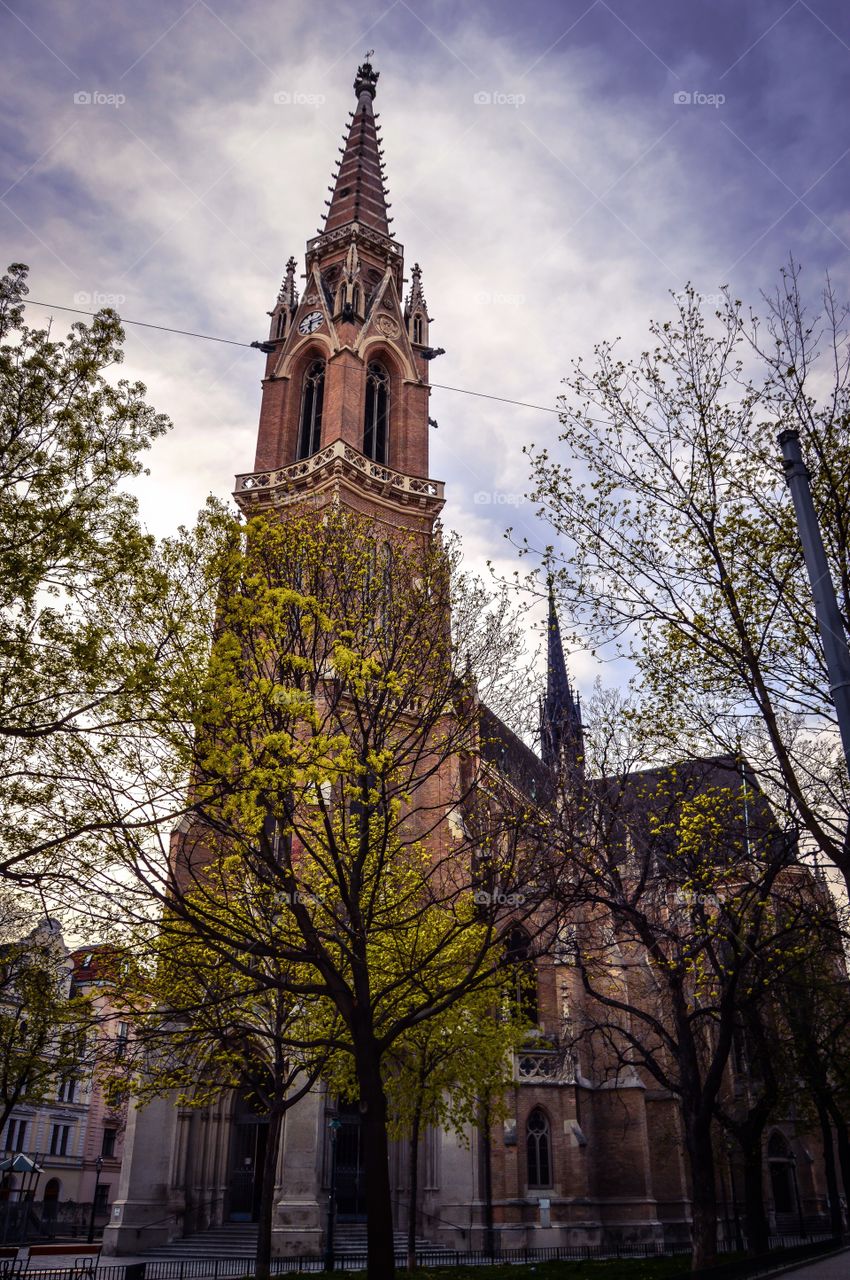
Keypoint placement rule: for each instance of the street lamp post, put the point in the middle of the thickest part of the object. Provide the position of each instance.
(334, 1125)
(98, 1165)
(830, 622)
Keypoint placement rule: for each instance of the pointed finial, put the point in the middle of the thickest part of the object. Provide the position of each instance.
(288, 294)
(366, 79)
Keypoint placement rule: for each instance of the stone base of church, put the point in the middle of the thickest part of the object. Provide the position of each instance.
(298, 1229)
(137, 1227)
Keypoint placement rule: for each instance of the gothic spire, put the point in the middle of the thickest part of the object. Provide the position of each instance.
(358, 194)
(288, 294)
(561, 732)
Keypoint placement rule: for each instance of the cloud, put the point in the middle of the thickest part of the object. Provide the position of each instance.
(540, 171)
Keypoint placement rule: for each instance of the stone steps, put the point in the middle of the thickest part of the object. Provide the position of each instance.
(239, 1240)
(236, 1240)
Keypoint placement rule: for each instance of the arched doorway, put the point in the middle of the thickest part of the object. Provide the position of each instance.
(781, 1164)
(50, 1207)
(247, 1152)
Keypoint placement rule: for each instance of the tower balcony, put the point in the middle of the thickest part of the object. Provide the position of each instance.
(544, 1066)
(324, 474)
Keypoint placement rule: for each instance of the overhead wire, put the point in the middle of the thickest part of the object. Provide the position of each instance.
(208, 337)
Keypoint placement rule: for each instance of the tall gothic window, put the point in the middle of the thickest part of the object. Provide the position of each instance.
(312, 398)
(417, 328)
(377, 413)
(537, 1149)
(521, 973)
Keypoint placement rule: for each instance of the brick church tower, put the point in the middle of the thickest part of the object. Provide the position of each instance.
(344, 413)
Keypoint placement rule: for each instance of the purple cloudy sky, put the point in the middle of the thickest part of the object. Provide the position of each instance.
(543, 169)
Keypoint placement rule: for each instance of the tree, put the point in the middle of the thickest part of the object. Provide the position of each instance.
(47, 1033)
(76, 578)
(201, 1026)
(812, 1004)
(442, 1072)
(676, 540)
(337, 758)
(679, 871)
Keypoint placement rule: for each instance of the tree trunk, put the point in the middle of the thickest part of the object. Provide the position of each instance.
(267, 1186)
(843, 1151)
(758, 1231)
(703, 1194)
(376, 1167)
(836, 1224)
(414, 1190)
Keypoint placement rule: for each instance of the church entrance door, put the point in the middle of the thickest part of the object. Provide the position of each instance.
(350, 1192)
(247, 1153)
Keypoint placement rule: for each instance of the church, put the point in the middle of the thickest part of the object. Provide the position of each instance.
(580, 1159)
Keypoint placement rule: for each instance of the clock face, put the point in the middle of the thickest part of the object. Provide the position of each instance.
(311, 322)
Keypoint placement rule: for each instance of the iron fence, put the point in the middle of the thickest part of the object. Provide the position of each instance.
(242, 1268)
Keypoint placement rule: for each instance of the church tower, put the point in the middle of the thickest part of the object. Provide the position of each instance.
(344, 415)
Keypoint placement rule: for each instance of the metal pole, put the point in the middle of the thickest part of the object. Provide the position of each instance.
(98, 1165)
(830, 622)
(489, 1230)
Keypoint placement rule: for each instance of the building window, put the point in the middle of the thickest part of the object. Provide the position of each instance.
(121, 1039)
(101, 1198)
(537, 1148)
(377, 413)
(521, 972)
(312, 400)
(16, 1135)
(417, 328)
(67, 1091)
(59, 1136)
(107, 1147)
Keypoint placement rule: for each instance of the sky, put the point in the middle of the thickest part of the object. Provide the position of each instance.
(557, 169)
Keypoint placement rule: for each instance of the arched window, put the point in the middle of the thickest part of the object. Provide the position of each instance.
(377, 413)
(417, 328)
(538, 1150)
(312, 398)
(522, 973)
(281, 323)
(355, 300)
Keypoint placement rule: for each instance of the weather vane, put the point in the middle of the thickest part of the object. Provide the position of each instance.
(369, 53)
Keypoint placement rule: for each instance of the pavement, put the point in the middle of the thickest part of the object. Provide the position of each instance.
(835, 1267)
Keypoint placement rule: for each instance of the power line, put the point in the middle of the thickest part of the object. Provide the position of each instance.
(208, 337)
(143, 324)
(484, 395)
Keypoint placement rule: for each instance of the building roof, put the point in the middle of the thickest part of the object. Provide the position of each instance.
(501, 748)
(94, 963)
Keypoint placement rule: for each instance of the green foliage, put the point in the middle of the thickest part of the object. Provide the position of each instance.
(676, 538)
(46, 1033)
(76, 578)
(201, 1026)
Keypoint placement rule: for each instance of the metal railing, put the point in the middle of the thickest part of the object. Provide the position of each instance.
(433, 1256)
